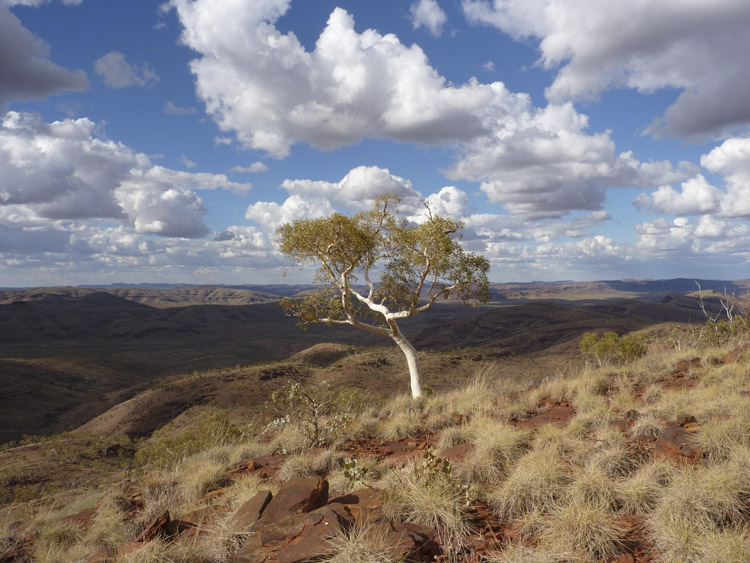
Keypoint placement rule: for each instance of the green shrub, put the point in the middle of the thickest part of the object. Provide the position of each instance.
(321, 413)
(611, 348)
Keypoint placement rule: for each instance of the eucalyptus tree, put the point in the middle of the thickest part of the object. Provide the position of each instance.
(403, 267)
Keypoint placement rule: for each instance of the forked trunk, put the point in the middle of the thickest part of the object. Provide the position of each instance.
(415, 373)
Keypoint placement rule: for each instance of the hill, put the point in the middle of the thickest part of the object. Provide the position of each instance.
(155, 297)
(522, 458)
(68, 356)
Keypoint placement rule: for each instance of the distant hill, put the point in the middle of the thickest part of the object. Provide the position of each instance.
(609, 289)
(68, 354)
(536, 326)
(155, 297)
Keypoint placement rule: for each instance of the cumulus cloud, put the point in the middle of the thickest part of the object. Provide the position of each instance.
(255, 167)
(357, 190)
(25, 68)
(541, 162)
(271, 215)
(428, 14)
(263, 85)
(696, 197)
(312, 199)
(61, 171)
(117, 72)
(271, 92)
(731, 161)
(646, 46)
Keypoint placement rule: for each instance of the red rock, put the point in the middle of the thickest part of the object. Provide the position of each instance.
(683, 419)
(16, 551)
(683, 367)
(265, 466)
(250, 512)
(295, 538)
(734, 355)
(559, 414)
(677, 444)
(205, 516)
(157, 527)
(299, 495)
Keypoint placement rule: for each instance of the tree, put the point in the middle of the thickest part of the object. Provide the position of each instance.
(417, 264)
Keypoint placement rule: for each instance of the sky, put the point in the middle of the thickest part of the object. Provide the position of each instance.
(165, 142)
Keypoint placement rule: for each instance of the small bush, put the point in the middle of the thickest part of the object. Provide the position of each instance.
(320, 414)
(611, 348)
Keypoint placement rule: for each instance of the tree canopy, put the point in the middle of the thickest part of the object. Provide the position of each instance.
(375, 268)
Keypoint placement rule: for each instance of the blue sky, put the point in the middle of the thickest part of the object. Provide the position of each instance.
(584, 139)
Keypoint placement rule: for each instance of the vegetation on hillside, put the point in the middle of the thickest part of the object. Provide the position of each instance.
(578, 467)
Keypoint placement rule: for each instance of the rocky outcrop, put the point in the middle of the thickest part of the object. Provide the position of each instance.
(300, 523)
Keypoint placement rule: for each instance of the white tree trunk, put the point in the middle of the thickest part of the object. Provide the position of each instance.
(415, 373)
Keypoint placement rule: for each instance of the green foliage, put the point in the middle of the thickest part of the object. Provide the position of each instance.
(320, 412)
(720, 332)
(611, 348)
(434, 469)
(354, 473)
(417, 265)
(415, 262)
(213, 429)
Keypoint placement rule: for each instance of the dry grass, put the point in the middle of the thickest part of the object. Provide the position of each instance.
(709, 500)
(364, 544)
(566, 485)
(497, 446)
(582, 528)
(537, 482)
(640, 492)
(428, 501)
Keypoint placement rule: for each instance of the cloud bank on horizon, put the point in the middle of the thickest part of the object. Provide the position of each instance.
(605, 140)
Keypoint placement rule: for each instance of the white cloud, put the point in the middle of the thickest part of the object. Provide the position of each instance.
(222, 141)
(541, 162)
(62, 172)
(263, 85)
(272, 93)
(731, 160)
(270, 215)
(156, 206)
(604, 44)
(255, 167)
(358, 189)
(117, 72)
(25, 68)
(696, 198)
(429, 14)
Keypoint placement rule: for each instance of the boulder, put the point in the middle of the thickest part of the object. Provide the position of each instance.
(250, 512)
(300, 495)
(287, 532)
(679, 445)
